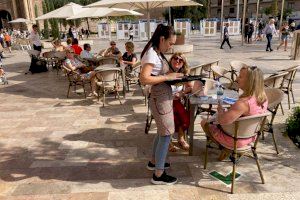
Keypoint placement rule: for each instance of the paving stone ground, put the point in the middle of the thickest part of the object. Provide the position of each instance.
(52, 147)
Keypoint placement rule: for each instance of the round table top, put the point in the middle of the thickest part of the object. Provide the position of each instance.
(211, 97)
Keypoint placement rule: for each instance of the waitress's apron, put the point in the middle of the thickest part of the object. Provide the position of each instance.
(161, 105)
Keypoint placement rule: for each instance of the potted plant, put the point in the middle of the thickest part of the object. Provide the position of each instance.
(293, 126)
(180, 39)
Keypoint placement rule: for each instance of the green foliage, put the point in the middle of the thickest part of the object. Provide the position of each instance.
(53, 22)
(274, 8)
(195, 13)
(293, 126)
(46, 27)
(36, 15)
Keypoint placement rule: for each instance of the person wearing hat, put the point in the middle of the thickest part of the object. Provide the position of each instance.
(112, 51)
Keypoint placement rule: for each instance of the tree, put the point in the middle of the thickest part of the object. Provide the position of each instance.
(53, 22)
(46, 27)
(274, 8)
(36, 15)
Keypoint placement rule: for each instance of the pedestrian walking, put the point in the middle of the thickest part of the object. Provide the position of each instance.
(284, 30)
(131, 33)
(155, 71)
(226, 36)
(250, 33)
(260, 28)
(270, 30)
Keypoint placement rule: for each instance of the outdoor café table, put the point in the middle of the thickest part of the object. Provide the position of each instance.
(113, 66)
(209, 99)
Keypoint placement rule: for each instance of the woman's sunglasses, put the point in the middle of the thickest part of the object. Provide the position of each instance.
(178, 59)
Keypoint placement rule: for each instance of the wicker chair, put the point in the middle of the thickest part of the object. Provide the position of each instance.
(276, 81)
(222, 73)
(75, 80)
(108, 80)
(244, 127)
(287, 86)
(206, 68)
(275, 96)
(235, 66)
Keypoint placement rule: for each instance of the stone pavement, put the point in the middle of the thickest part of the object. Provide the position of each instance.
(52, 147)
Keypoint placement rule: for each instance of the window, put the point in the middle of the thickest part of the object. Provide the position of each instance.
(232, 2)
(219, 2)
(291, 5)
(231, 10)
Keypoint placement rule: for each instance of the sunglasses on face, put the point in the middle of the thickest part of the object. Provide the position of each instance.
(112, 44)
(178, 59)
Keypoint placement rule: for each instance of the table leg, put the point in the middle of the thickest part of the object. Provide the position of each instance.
(192, 112)
(124, 81)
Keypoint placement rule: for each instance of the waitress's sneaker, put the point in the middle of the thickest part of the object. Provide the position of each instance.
(164, 179)
(151, 166)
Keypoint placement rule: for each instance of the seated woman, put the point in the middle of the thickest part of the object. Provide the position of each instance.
(253, 101)
(129, 58)
(181, 116)
(58, 46)
(75, 65)
(75, 46)
(112, 51)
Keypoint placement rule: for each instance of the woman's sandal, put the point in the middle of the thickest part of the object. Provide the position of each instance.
(223, 155)
(172, 147)
(183, 145)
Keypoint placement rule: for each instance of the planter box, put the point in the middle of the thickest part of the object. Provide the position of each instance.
(180, 40)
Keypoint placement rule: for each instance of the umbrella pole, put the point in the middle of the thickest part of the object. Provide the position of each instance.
(87, 23)
(281, 17)
(222, 13)
(148, 21)
(257, 10)
(244, 21)
(170, 16)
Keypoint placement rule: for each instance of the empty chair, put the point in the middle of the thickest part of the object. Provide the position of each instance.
(206, 68)
(222, 73)
(108, 80)
(287, 86)
(235, 66)
(276, 81)
(244, 127)
(275, 96)
(195, 70)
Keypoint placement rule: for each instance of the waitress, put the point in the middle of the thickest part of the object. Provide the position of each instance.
(155, 71)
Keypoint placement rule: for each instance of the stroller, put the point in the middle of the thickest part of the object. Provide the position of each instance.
(3, 78)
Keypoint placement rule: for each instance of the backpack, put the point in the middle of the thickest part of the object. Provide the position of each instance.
(37, 65)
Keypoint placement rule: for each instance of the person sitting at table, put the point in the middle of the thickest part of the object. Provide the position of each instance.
(252, 101)
(74, 64)
(181, 117)
(69, 43)
(77, 49)
(86, 53)
(58, 46)
(129, 58)
(112, 51)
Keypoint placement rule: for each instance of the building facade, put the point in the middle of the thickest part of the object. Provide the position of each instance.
(231, 7)
(12, 9)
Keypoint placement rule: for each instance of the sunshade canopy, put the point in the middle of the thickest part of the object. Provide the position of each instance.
(103, 12)
(66, 11)
(20, 20)
(142, 4)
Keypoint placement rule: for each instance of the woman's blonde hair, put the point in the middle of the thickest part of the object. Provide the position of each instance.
(254, 84)
(130, 46)
(185, 68)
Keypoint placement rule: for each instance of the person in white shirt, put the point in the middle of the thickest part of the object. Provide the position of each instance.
(270, 30)
(35, 38)
(86, 53)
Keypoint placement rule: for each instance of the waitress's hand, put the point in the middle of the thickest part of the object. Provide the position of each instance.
(174, 76)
